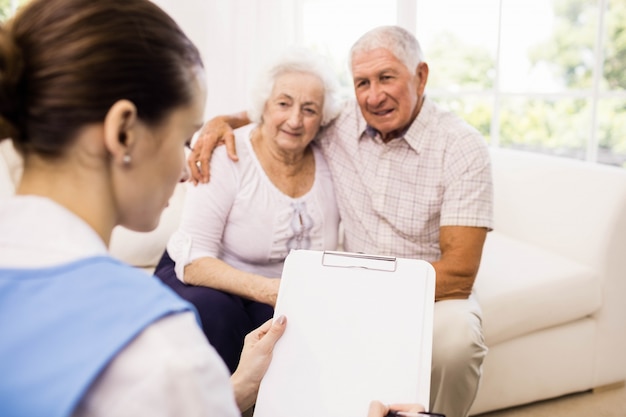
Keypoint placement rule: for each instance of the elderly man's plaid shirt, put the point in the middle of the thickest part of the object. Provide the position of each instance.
(394, 197)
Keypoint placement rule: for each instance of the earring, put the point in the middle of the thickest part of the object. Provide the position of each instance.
(126, 160)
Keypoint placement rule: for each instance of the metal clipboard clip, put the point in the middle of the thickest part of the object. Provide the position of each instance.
(359, 260)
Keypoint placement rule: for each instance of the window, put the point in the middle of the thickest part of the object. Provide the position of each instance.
(539, 75)
(8, 7)
(331, 27)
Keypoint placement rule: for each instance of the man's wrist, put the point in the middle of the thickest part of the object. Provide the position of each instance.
(236, 120)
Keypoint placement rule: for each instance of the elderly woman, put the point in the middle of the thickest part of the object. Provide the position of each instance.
(235, 232)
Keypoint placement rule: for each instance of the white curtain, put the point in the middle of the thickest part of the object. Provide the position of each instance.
(236, 38)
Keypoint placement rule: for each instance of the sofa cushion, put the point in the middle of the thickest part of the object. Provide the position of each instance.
(523, 288)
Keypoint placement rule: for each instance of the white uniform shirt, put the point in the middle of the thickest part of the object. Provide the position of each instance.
(169, 369)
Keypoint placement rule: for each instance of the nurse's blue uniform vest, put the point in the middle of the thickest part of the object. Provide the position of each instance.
(61, 326)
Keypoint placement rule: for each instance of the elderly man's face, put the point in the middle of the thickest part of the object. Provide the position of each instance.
(388, 94)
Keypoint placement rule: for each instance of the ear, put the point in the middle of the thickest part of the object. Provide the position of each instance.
(421, 75)
(262, 115)
(120, 133)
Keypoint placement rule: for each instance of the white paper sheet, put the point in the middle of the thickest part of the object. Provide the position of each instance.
(359, 328)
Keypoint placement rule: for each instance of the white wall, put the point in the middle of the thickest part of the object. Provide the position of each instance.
(236, 39)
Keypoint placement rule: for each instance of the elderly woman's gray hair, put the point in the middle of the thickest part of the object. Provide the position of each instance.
(297, 60)
(399, 41)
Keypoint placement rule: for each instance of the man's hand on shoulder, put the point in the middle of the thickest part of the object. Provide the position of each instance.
(215, 132)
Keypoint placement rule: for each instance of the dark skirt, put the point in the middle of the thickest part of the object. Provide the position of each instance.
(226, 318)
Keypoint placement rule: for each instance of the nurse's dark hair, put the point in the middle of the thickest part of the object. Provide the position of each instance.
(64, 63)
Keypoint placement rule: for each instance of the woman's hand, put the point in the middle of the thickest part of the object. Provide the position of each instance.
(378, 409)
(255, 359)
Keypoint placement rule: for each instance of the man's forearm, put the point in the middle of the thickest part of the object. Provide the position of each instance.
(452, 285)
(236, 120)
(456, 269)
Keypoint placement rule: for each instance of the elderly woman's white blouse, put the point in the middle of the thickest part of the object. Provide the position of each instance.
(242, 218)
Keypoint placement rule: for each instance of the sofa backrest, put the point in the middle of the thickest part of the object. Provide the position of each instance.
(144, 249)
(570, 207)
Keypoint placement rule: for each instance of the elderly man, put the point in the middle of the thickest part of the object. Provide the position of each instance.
(414, 181)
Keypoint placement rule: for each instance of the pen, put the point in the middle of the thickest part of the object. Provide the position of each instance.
(393, 413)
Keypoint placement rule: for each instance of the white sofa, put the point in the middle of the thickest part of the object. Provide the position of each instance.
(552, 282)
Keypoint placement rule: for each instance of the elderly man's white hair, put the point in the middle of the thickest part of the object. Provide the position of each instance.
(296, 60)
(399, 41)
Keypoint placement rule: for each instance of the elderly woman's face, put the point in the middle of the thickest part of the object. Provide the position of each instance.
(293, 112)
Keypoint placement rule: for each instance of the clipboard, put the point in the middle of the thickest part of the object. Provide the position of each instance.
(359, 328)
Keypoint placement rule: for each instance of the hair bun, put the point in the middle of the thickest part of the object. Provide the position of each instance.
(11, 72)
